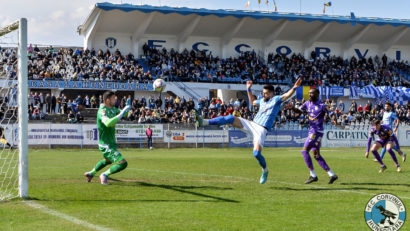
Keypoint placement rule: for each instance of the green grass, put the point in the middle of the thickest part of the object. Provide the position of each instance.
(204, 189)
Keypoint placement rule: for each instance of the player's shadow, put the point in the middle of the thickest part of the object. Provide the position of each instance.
(177, 188)
(322, 189)
(375, 184)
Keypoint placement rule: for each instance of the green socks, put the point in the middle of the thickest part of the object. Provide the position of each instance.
(100, 165)
(116, 168)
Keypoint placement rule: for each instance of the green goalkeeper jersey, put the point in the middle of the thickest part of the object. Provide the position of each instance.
(106, 120)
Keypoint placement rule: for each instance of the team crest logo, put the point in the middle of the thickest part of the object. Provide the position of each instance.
(110, 42)
(385, 212)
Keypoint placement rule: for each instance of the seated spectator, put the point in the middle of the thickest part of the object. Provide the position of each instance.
(71, 117)
(79, 117)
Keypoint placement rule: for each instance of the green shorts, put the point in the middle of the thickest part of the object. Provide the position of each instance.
(111, 154)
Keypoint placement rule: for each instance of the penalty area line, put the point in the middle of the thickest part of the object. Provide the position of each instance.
(64, 216)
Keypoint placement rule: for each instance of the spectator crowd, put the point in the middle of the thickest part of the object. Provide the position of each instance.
(179, 110)
(91, 65)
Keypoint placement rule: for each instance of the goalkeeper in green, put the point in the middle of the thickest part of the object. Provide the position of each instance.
(108, 115)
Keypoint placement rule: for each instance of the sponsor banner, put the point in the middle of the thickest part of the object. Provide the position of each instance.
(337, 91)
(345, 138)
(192, 136)
(277, 138)
(90, 134)
(97, 85)
(129, 133)
(55, 134)
(86, 134)
(403, 135)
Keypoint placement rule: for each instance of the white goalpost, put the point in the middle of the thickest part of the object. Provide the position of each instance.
(13, 98)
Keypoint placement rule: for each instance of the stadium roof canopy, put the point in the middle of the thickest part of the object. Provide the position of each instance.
(140, 20)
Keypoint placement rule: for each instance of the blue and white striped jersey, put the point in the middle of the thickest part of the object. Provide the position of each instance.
(268, 111)
(389, 118)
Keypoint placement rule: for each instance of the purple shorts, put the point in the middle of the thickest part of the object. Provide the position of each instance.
(384, 142)
(314, 140)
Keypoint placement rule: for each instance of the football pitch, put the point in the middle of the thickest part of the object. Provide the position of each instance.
(202, 189)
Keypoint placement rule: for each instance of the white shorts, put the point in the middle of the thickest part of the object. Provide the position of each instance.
(258, 132)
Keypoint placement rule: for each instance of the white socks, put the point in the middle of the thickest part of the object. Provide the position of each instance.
(330, 172)
(312, 173)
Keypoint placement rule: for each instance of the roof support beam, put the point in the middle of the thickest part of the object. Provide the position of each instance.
(394, 38)
(226, 39)
(356, 37)
(315, 35)
(185, 33)
(275, 33)
(143, 26)
(91, 30)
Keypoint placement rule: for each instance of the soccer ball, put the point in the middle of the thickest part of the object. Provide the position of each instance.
(159, 85)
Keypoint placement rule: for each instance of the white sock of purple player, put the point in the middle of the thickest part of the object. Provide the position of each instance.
(309, 163)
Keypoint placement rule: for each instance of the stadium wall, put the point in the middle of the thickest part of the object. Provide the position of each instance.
(50, 135)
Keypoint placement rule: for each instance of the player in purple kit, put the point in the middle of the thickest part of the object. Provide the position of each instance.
(316, 113)
(386, 139)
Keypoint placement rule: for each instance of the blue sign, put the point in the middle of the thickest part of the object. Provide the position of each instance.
(290, 138)
(337, 91)
(90, 85)
(110, 42)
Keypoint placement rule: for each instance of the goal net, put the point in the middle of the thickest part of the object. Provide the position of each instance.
(13, 110)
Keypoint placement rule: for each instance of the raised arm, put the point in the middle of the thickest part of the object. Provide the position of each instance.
(289, 93)
(251, 97)
(111, 122)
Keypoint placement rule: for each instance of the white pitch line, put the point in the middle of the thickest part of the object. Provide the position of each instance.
(66, 217)
(250, 179)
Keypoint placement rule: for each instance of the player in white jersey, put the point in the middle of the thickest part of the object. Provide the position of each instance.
(390, 118)
(263, 122)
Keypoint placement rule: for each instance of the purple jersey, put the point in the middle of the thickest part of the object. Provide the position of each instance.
(385, 135)
(316, 114)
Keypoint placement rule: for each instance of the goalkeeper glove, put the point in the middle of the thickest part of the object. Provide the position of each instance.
(123, 111)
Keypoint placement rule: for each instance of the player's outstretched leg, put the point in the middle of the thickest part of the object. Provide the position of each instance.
(321, 161)
(222, 120)
(100, 165)
(308, 160)
(112, 170)
(377, 156)
(261, 160)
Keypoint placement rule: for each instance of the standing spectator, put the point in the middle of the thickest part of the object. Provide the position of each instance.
(79, 101)
(87, 102)
(148, 132)
(48, 103)
(93, 102)
(353, 107)
(341, 106)
(53, 103)
(42, 100)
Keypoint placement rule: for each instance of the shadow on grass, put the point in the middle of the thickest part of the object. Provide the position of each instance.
(177, 188)
(323, 189)
(376, 184)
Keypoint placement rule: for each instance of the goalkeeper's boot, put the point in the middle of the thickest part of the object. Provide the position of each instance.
(199, 121)
(104, 179)
(264, 176)
(89, 176)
